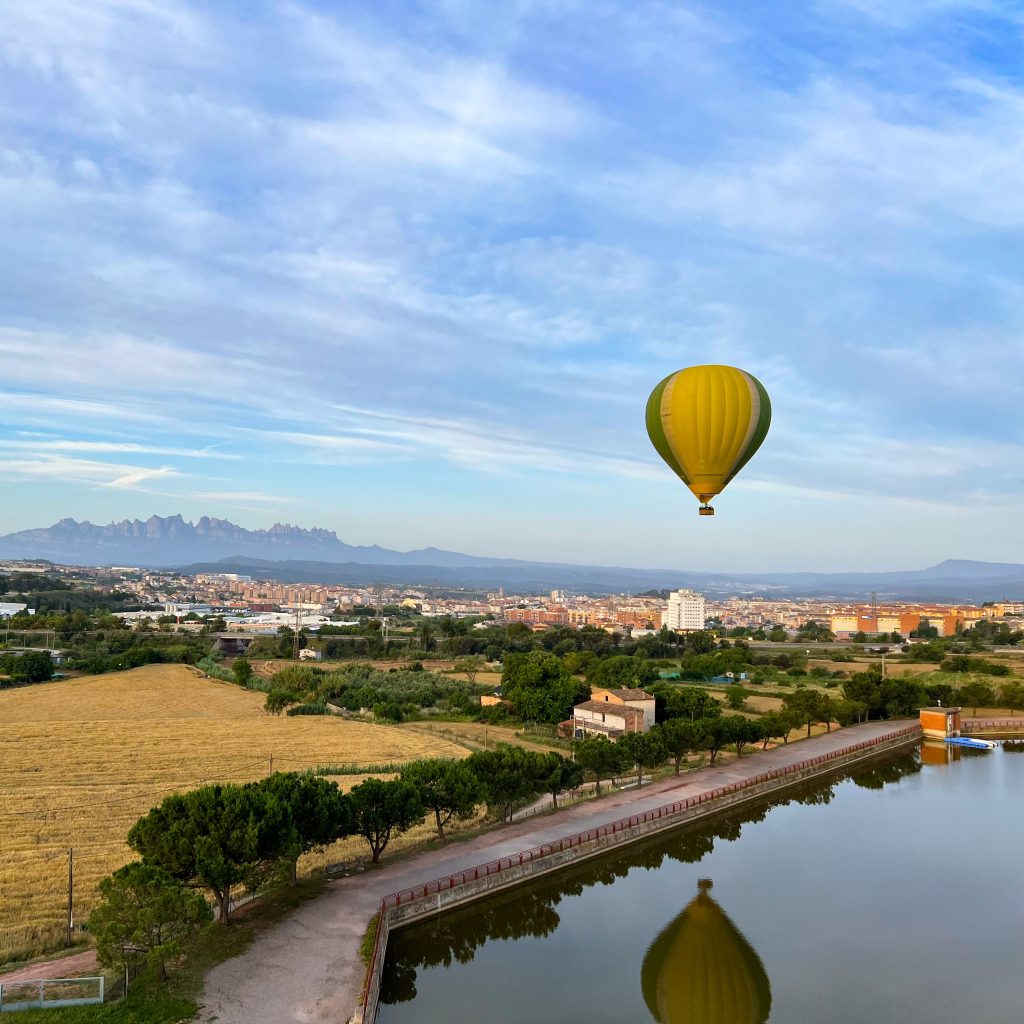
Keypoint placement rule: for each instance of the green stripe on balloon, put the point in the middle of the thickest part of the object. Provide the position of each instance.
(656, 430)
(764, 420)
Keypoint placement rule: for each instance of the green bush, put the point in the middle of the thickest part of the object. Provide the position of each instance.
(316, 708)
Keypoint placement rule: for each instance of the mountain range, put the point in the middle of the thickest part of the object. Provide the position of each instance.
(294, 554)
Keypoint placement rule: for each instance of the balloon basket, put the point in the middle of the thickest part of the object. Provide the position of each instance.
(705, 510)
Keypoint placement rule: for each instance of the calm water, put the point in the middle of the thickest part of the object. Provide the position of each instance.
(892, 894)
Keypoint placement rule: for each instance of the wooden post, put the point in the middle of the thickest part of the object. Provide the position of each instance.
(71, 893)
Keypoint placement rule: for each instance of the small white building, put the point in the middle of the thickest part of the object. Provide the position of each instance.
(9, 608)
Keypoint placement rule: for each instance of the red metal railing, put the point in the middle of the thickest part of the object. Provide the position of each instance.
(453, 881)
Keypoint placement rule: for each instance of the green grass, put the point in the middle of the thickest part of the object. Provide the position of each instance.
(369, 940)
(141, 1007)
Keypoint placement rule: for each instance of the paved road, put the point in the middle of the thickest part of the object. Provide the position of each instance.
(307, 969)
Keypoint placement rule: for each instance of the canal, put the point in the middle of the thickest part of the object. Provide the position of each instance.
(892, 893)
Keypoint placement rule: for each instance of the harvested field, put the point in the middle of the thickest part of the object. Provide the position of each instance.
(84, 758)
(475, 734)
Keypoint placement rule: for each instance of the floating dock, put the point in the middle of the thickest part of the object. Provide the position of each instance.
(970, 741)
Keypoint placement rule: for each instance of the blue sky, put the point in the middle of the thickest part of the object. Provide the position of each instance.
(409, 271)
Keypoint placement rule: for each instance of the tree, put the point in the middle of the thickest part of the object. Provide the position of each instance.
(958, 663)
(382, 810)
(827, 710)
(805, 706)
(644, 750)
(507, 774)
(740, 731)
(559, 774)
(1012, 695)
(714, 733)
(848, 712)
(217, 836)
(622, 670)
(598, 756)
(977, 693)
(579, 663)
(901, 696)
(447, 787)
(866, 689)
(144, 906)
(692, 702)
(317, 813)
(425, 636)
(285, 641)
(540, 688)
(778, 635)
(735, 696)
(277, 700)
(469, 666)
(813, 630)
(32, 667)
(701, 641)
(241, 669)
(679, 736)
(775, 725)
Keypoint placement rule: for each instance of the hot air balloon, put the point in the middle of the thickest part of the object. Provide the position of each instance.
(706, 422)
(701, 970)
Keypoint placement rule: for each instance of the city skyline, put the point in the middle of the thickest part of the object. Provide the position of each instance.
(410, 275)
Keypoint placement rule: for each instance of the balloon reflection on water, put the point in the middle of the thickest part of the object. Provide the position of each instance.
(701, 969)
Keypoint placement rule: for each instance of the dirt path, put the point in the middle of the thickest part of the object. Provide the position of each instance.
(307, 969)
(69, 966)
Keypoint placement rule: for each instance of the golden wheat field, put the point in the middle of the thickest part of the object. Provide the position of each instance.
(82, 759)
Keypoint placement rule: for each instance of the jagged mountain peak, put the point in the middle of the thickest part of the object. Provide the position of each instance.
(174, 540)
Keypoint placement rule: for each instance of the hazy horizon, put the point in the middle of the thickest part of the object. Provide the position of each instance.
(495, 554)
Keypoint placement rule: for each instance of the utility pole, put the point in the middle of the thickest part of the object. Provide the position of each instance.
(874, 609)
(71, 893)
(295, 638)
(271, 764)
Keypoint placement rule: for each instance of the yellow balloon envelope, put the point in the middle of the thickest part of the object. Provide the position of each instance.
(706, 422)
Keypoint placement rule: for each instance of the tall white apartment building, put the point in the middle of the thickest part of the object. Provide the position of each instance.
(685, 611)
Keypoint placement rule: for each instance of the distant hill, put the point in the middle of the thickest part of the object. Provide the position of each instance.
(932, 584)
(295, 554)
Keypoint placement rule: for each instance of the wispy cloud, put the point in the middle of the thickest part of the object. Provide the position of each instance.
(42, 444)
(72, 470)
(135, 477)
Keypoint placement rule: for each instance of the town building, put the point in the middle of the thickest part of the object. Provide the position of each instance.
(904, 619)
(685, 611)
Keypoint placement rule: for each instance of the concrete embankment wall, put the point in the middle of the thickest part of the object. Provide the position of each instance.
(476, 883)
(994, 727)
